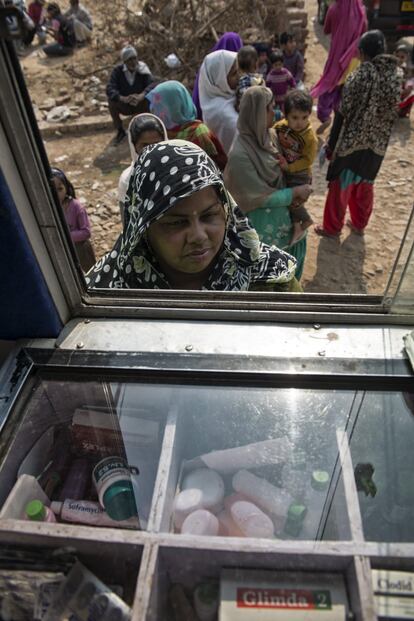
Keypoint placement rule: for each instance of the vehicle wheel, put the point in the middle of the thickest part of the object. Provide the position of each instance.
(322, 8)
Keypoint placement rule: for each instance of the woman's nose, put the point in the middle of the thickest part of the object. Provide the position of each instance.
(196, 232)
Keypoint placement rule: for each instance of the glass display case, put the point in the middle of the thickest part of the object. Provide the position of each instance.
(173, 471)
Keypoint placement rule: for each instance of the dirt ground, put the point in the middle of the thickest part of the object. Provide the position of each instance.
(352, 264)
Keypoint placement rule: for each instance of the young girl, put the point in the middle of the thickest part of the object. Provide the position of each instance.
(76, 219)
(279, 79)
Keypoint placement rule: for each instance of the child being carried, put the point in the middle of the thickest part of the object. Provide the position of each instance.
(298, 147)
(247, 59)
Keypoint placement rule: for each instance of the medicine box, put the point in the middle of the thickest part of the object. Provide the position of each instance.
(393, 594)
(248, 595)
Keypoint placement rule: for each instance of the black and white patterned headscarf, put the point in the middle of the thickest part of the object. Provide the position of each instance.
(165, 173)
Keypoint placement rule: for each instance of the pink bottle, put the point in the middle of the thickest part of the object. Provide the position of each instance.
(230, 500)
(227, 527)
(251, 520)
(35, 510)
(200, 522)
(275, 501)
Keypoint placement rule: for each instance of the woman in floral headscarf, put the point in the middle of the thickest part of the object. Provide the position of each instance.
(183, 231)
(172, 103)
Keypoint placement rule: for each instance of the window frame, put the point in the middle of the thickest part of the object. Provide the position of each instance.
(60, 266)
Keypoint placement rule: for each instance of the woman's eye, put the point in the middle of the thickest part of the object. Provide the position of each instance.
(175, 223)
(211, 215)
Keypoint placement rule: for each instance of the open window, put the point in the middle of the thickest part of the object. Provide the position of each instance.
(353, 288)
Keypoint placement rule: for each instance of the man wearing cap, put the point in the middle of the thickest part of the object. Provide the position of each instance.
(127, 88)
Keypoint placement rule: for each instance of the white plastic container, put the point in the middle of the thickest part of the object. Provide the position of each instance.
(186, 502)
(227, 527)
(200, 522)
(249, 456)
(274, 500)
(251, 520)
(24, 490)
(211, 486)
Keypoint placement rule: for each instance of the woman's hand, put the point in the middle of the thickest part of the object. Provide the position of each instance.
(301, 193)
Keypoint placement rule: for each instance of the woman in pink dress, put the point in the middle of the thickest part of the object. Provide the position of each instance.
(345, 21)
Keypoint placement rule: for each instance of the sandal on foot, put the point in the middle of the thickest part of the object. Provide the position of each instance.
(354, 228)
(319, 230)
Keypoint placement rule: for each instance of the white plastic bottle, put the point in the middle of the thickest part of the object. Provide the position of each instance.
(186, 502)
(251, 520)
(274, 500)
(263, 453)
(227, 527)
(200, 522)
(210, 484)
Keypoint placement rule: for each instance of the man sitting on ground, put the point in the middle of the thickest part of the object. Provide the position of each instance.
(61, 30)
(127, 88)
(81, 20)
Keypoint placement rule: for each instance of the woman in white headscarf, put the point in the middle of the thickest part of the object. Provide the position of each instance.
(144, 129)
(217, 88)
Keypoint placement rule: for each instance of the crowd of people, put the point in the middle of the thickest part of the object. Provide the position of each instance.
(215, 196)
(69, 29)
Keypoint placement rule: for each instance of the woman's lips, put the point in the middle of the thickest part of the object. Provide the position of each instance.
(199, 254)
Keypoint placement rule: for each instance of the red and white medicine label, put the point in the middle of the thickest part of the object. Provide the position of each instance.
(287, 599)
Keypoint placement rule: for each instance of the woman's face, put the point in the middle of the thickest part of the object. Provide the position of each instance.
(233, 76)
(150, 136)
(60, 189)
(190, 235)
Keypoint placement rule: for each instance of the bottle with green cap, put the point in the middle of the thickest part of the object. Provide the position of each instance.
(316, 493)
(113, 483)
(294, 521)
(38, 512)
(206, 600)
(320, 480)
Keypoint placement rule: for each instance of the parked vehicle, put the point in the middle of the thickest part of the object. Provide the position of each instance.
(395, 18)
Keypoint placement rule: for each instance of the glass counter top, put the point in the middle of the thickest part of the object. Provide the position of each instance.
(221, 461)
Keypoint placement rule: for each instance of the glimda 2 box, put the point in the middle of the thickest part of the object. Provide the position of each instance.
(249, 595)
